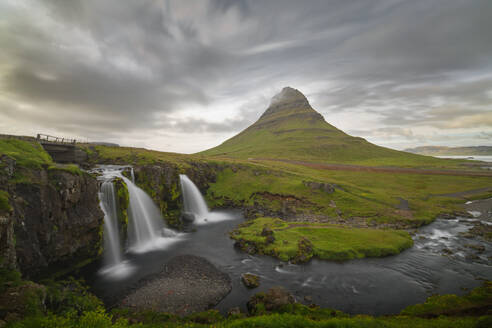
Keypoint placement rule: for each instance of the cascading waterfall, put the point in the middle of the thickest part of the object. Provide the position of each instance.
(146, 229)
(112, 247)
(194, 203)
(133, 175)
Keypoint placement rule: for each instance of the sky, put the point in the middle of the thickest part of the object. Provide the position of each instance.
(183, 76)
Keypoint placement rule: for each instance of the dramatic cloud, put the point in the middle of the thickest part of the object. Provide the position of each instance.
(184, 75)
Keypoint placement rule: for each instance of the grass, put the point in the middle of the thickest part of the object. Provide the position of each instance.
(4, 202)
(70, 305)
(324, 241)
(374, 196)
(131, 156)
(477, 300)
(27, 154)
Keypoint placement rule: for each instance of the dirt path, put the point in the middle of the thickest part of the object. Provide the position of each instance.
(379, 169)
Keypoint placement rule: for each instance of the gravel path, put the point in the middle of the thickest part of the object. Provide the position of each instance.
(186, 284)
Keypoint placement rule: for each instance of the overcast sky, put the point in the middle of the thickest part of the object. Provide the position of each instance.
(184, 76)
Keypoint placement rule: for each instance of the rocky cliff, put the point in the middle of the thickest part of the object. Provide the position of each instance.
(50, 219)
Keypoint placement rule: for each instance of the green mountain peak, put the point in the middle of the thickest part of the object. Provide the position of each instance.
(291, 129)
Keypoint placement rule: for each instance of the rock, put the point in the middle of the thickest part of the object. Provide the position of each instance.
(326, 187)
(22, 301)
(234, 312)
(267, 231)
(304, 251)
(187, 217)
(269, 239)
(250, 280)
(7, 163)
(447, 251)
(478, 248)
(273, 300)
(57, 221)
(186, 284)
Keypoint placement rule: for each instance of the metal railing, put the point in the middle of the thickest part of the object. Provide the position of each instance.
(53, 139)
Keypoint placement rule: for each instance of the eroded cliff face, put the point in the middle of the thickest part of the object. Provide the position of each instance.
(54, 222)
(161, 182)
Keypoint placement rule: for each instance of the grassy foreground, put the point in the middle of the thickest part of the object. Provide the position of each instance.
(301, 241)
(69, 304)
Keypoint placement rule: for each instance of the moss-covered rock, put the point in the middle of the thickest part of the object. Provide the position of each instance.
(305, 250)
(250, 280)
(274, 299)
(122, 203)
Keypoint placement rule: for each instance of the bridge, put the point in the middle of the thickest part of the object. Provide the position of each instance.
(62, 150)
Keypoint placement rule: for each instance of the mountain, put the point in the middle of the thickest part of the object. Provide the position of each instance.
(452, 151)
(291, 129)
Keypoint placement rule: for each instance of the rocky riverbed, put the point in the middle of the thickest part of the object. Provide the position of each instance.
(186, 284)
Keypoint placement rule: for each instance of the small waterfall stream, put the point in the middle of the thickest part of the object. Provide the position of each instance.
(112, 250)
(194, 204)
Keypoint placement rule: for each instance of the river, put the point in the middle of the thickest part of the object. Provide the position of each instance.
(439, 262)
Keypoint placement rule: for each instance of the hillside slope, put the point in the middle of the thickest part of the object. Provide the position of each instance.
(291, 129)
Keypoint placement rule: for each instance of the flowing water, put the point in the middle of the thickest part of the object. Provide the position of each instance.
(146, 228)
(193, 200)
(440, 261)
(112, 249)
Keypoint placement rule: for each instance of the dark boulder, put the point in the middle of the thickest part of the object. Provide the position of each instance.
(187, 217)
(250, 280)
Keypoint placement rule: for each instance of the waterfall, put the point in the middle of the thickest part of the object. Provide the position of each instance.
(146, 228)
(194, 203)
(112, 249)
(133, 175)
(145, 221)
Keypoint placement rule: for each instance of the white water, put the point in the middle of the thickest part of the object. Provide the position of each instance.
(133, 175)
(193, 200)
(112, 247)
(146, 229)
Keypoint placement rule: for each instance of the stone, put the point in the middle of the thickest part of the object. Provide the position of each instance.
(21, 301)
(186, 284)
(250, 280)
(304, 251)
(267, 231)
(274, 299)
(234, 312)
(326, 187)
(269, 239)
(187, 217)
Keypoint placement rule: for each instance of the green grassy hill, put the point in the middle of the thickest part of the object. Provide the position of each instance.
(291, 129)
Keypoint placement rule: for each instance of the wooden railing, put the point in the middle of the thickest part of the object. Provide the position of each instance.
(52, 139)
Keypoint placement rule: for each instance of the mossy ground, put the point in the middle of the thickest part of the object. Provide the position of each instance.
(4, 202)
(28, 154)
(324, 241)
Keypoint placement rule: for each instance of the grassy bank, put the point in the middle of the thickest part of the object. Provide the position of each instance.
(300, 241)
(69, 304)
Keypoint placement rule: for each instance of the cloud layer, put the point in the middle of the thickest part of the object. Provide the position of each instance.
(183, 76)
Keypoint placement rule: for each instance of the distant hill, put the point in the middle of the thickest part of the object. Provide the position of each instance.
(291, 129)
(451, 151)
